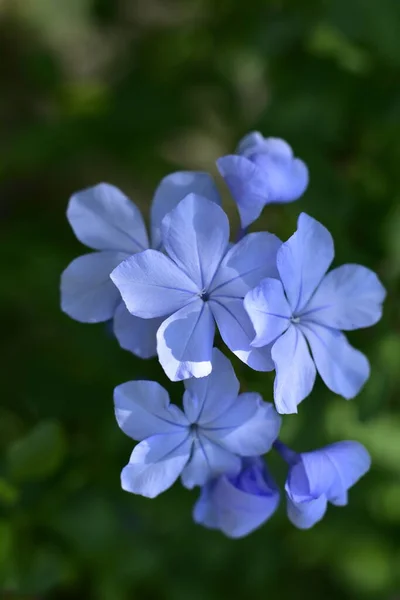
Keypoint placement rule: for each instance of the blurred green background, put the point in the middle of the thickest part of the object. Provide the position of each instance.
(126, 91)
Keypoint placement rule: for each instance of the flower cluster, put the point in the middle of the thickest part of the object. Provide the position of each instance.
(276, 307)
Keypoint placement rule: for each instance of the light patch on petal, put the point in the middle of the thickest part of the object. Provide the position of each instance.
(185, 342)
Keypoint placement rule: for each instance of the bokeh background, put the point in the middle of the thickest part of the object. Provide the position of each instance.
(126, 91)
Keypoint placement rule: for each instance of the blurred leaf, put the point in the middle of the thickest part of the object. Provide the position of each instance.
(366, 564)
(331, 43)
(5, 541)
(8, 493)
(39, 454)
(48, 568)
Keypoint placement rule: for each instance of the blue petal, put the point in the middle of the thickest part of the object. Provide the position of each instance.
(87, 292)
(135, 334)
(237, 506)
(351, 461)
(172, 189)
(151, 285)
(328, 472)
(237, 332)
(103, 218)
(185, 342)
(208, 460)
(248, 427)
(195, 234)
(295, 370)
(268, 310)
(275, 147)
(265, 173)
(310, 477)
(306, 514)
(245, 265)
(343, 368)
(143, 409)
(246, 182)
(303, 261)
(255, 142)
(249, 142)
(286, 179)
(348, 297)
(156, 463)
(207, 397)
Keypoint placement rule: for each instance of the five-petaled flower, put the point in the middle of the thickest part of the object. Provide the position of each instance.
(216, 427)
(310, 306)
(264, 171)
(238, 504)
(321, 476)
(201, 279)
(104, 219)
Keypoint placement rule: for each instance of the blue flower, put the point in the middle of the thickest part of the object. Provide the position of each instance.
(238, 504)
(204, 440)
(310, 306)
(201, 279)
(264, 171)
(322, 476)
(104, 219)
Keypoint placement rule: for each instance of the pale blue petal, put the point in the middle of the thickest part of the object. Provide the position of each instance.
(248, 427)
(207, 397)
(275, 147)
(348, 297)
(264, 173)
(143, 409)
(343, 368)
(172, 189)
(151, 285)
(237, 332)
(103, 218)
(245, 265)
(255, 142)
(185, 342)
(135, 334)
(268, 310)
(205, 511)
(208, 460)
(285, 179)
(328, 471)
(351, 461)
(87, 292)
(297, 485)
(246, 182)
(249, 142)
(310, 477)
(306, 514)
(295, 370)
(303, 261)
(228, 505)
(195, 234)
(156, 463)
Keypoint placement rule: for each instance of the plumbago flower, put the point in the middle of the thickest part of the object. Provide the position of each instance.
(311, 307)
(322, 476)
(263, 171)
(207, 438)
(238, 504)
(199, 281)
(104, 219)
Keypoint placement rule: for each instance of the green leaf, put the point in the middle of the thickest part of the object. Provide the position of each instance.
(39, 454)
(8, 493)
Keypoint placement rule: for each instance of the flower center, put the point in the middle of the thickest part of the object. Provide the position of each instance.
(204, 295)
(193, 428)
(295, 320)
